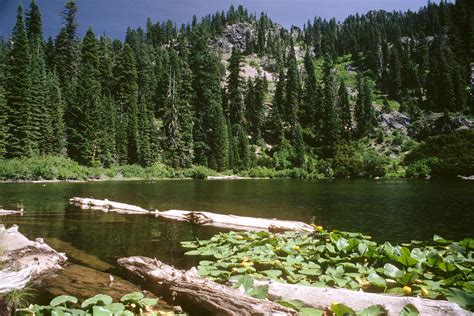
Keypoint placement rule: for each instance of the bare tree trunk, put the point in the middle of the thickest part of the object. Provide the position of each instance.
(201, 218)
(197, 294)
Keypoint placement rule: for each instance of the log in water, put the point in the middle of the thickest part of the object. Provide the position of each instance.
(201, 218)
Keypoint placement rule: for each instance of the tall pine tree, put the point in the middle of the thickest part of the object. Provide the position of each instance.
(17, 90)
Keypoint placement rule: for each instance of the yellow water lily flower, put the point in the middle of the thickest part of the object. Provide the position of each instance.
(407, 290)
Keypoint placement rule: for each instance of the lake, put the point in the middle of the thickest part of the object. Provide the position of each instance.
(388, 210)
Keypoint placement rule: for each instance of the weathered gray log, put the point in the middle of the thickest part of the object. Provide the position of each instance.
(195, 293)
(10, 212)
(201, 218)
(323, 298)
(23, 260)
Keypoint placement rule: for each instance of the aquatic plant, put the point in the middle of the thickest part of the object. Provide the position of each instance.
(441, 269)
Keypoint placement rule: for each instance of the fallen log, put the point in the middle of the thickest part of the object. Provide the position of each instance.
(106, 205)
(323, 298)
(10, 212)
(200, 218)
(200, 295)
(24, 260)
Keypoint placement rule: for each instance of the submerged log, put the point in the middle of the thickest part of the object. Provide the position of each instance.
(197, 294)
(24, 260)
(79, 256)
(323, 298)
(201, 218)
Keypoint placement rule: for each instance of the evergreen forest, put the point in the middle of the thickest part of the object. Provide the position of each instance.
(383, 94)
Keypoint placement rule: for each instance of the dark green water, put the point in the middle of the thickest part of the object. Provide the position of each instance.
(393, 211)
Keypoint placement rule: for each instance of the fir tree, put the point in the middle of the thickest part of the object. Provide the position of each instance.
(3, 115)
(364, 111)
(56, 138)
(331, 130)
(234, 90)
(344, 109)
(38, 114)
(67, 55)
(310, 104)
(211, 136)
(126, 90)
(84, 130)
(17, 91)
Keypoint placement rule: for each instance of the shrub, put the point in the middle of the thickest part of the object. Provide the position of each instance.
(131, 171)
(347, 162)
(198, 172)
(158, 171)
(420, 168)
(42, 168)
(454, 154)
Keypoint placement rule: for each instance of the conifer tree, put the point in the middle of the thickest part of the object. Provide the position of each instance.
(38, 114)
(234, 89)
(258, 109)
(126, 90)
(331, 130)
(85, 128)
(67, 55)
(56, 138)
(344, 109)
(3, 114)
(17, 90)
(310, 104)
(292, 88)
(211, 136)
(364, 111)
(276, 125)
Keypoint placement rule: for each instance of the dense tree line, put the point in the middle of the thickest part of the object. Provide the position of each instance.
(163, 94)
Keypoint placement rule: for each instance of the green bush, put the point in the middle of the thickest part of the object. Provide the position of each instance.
(421, 168)
(131, 171)
(454, 154)
(198, 172)
(347, 162)
(42, 168)
(158, 171)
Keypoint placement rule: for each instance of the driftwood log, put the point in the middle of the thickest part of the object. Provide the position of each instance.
(196, 294)
(191, 291)
(10, 212)
(24, 260)
(323, 298)
(201, 218)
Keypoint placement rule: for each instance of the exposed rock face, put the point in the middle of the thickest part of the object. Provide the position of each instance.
(394, 121)
(235, 35)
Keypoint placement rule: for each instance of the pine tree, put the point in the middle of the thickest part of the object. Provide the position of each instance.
(292, 88)
(310, 104)
(67, 55)
(56, 138)
(85, 128)
(211, 136)
(3, 114)
(126, 90)
(38, 114)
(17, 90)
(234, 90)
(364, 111)
(331, 130)
(344, 109)
(276, 125)
(258, 109)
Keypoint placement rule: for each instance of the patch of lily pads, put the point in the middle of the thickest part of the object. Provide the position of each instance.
(437, 269)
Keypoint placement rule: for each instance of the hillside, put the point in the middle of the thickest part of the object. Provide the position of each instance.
(239, 92)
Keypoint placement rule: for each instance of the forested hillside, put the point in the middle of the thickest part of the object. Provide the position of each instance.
(236, 91)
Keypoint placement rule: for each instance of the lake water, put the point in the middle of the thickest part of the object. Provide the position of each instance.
(395, 211)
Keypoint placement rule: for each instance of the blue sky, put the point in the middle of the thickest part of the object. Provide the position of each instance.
(114, 16)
